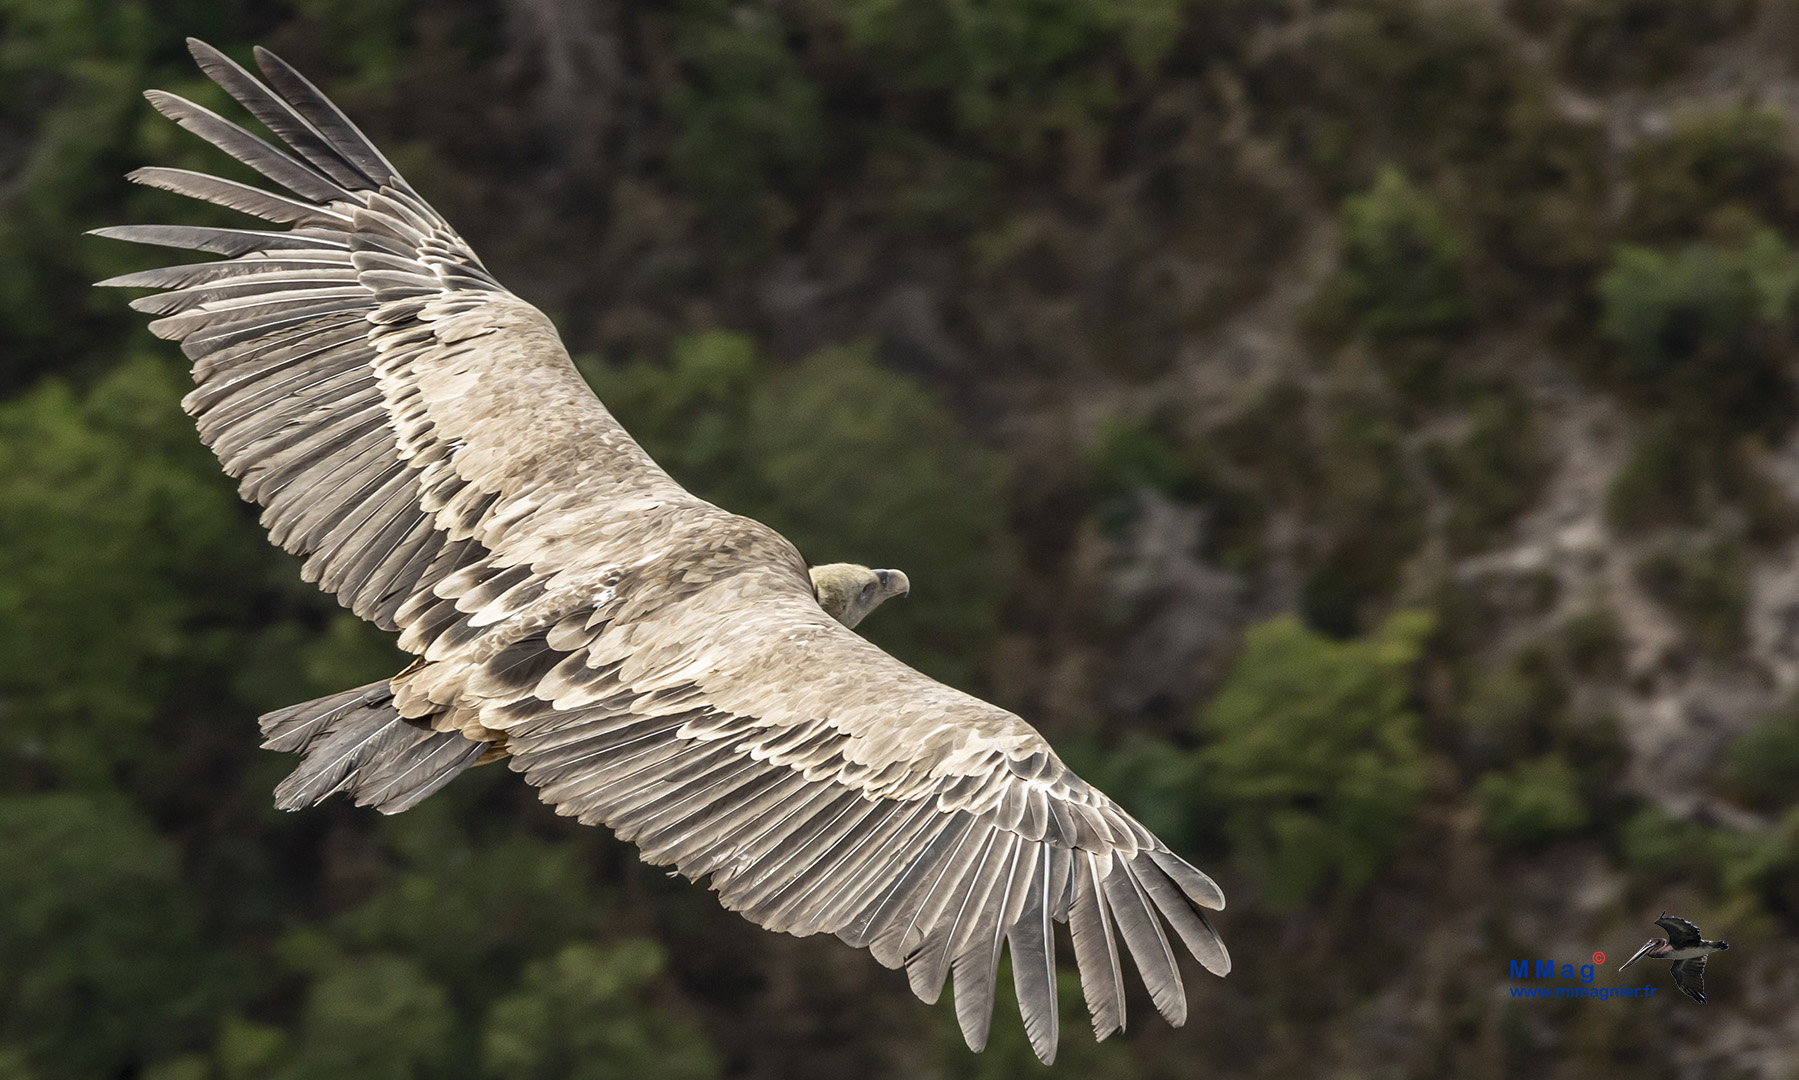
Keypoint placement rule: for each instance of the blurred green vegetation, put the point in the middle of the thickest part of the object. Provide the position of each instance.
(138, 584)
(103, 961)
(1400, 271)
(1703, 583)
(1713, 167)
(579, 1015)
(1314, 751)
(748, 123)
(1759, 768)
(1761, 765)
(1133, 457)
(1702, 340)
(1706, 331)
(1492, 472)
(1531, 803)
(1631, 41)
(1013, 77)
(1336, 276)
(1509, 707)
(1369, 494)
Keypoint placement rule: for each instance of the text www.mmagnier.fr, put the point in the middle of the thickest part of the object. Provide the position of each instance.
(1583, 991)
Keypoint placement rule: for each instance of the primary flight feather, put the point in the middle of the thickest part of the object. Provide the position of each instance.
(648, 661)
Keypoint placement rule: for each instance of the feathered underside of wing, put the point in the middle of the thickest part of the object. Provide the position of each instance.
(1689, 976)
(787, 832)
(1681, 933)
(974, 838)
(399, 415)
(650, 662)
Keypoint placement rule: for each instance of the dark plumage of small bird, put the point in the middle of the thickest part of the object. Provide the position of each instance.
(1686, 948)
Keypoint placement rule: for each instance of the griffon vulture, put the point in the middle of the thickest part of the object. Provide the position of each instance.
(648, 661)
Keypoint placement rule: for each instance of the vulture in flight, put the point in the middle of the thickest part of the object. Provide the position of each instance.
(649, 661)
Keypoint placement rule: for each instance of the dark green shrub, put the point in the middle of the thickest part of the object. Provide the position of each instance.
(1510, 709)
(1401, 263)
(1014, 76)
(496, 902)
(864, 465)
(1760, 767)
(1380, 76)
(70, 78)
(584, 1014)
(1532, 803)
(929, 189)
(379, 1017)
(250, 1051)
(1666, 480)
(1130, 457)
(1452, 98)
(1536, 209)
(1646, 41)
(1314, 755)
(1703, 583)
(1492, 473)
(502, 970)
(1660, 850)
(1679, 473)
(1705, 333)
(1663, 849)
(1735, 158)
(1593, 642)
(100, 965)
(1768, 863)
(133, 570)
(1703, 337)
(749, 123)
(1372, 515)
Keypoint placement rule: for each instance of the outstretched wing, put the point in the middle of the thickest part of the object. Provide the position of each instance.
(1689, 975)
(648, 660)
(1681, 933)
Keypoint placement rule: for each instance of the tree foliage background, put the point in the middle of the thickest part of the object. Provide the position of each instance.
(1360, 433)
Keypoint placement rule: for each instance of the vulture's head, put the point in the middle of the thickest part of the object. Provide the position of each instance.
(849, 592)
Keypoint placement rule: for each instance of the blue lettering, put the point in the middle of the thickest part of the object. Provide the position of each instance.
(1545, 969)
(1567, 971)
(1586, 973)
(1520, 969)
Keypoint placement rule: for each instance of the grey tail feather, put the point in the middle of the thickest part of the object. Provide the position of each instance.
(356, 742)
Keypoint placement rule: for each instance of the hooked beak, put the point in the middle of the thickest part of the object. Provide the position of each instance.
(893, 582)
(1642, 952)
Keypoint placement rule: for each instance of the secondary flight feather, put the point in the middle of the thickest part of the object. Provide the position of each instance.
(649, 661)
